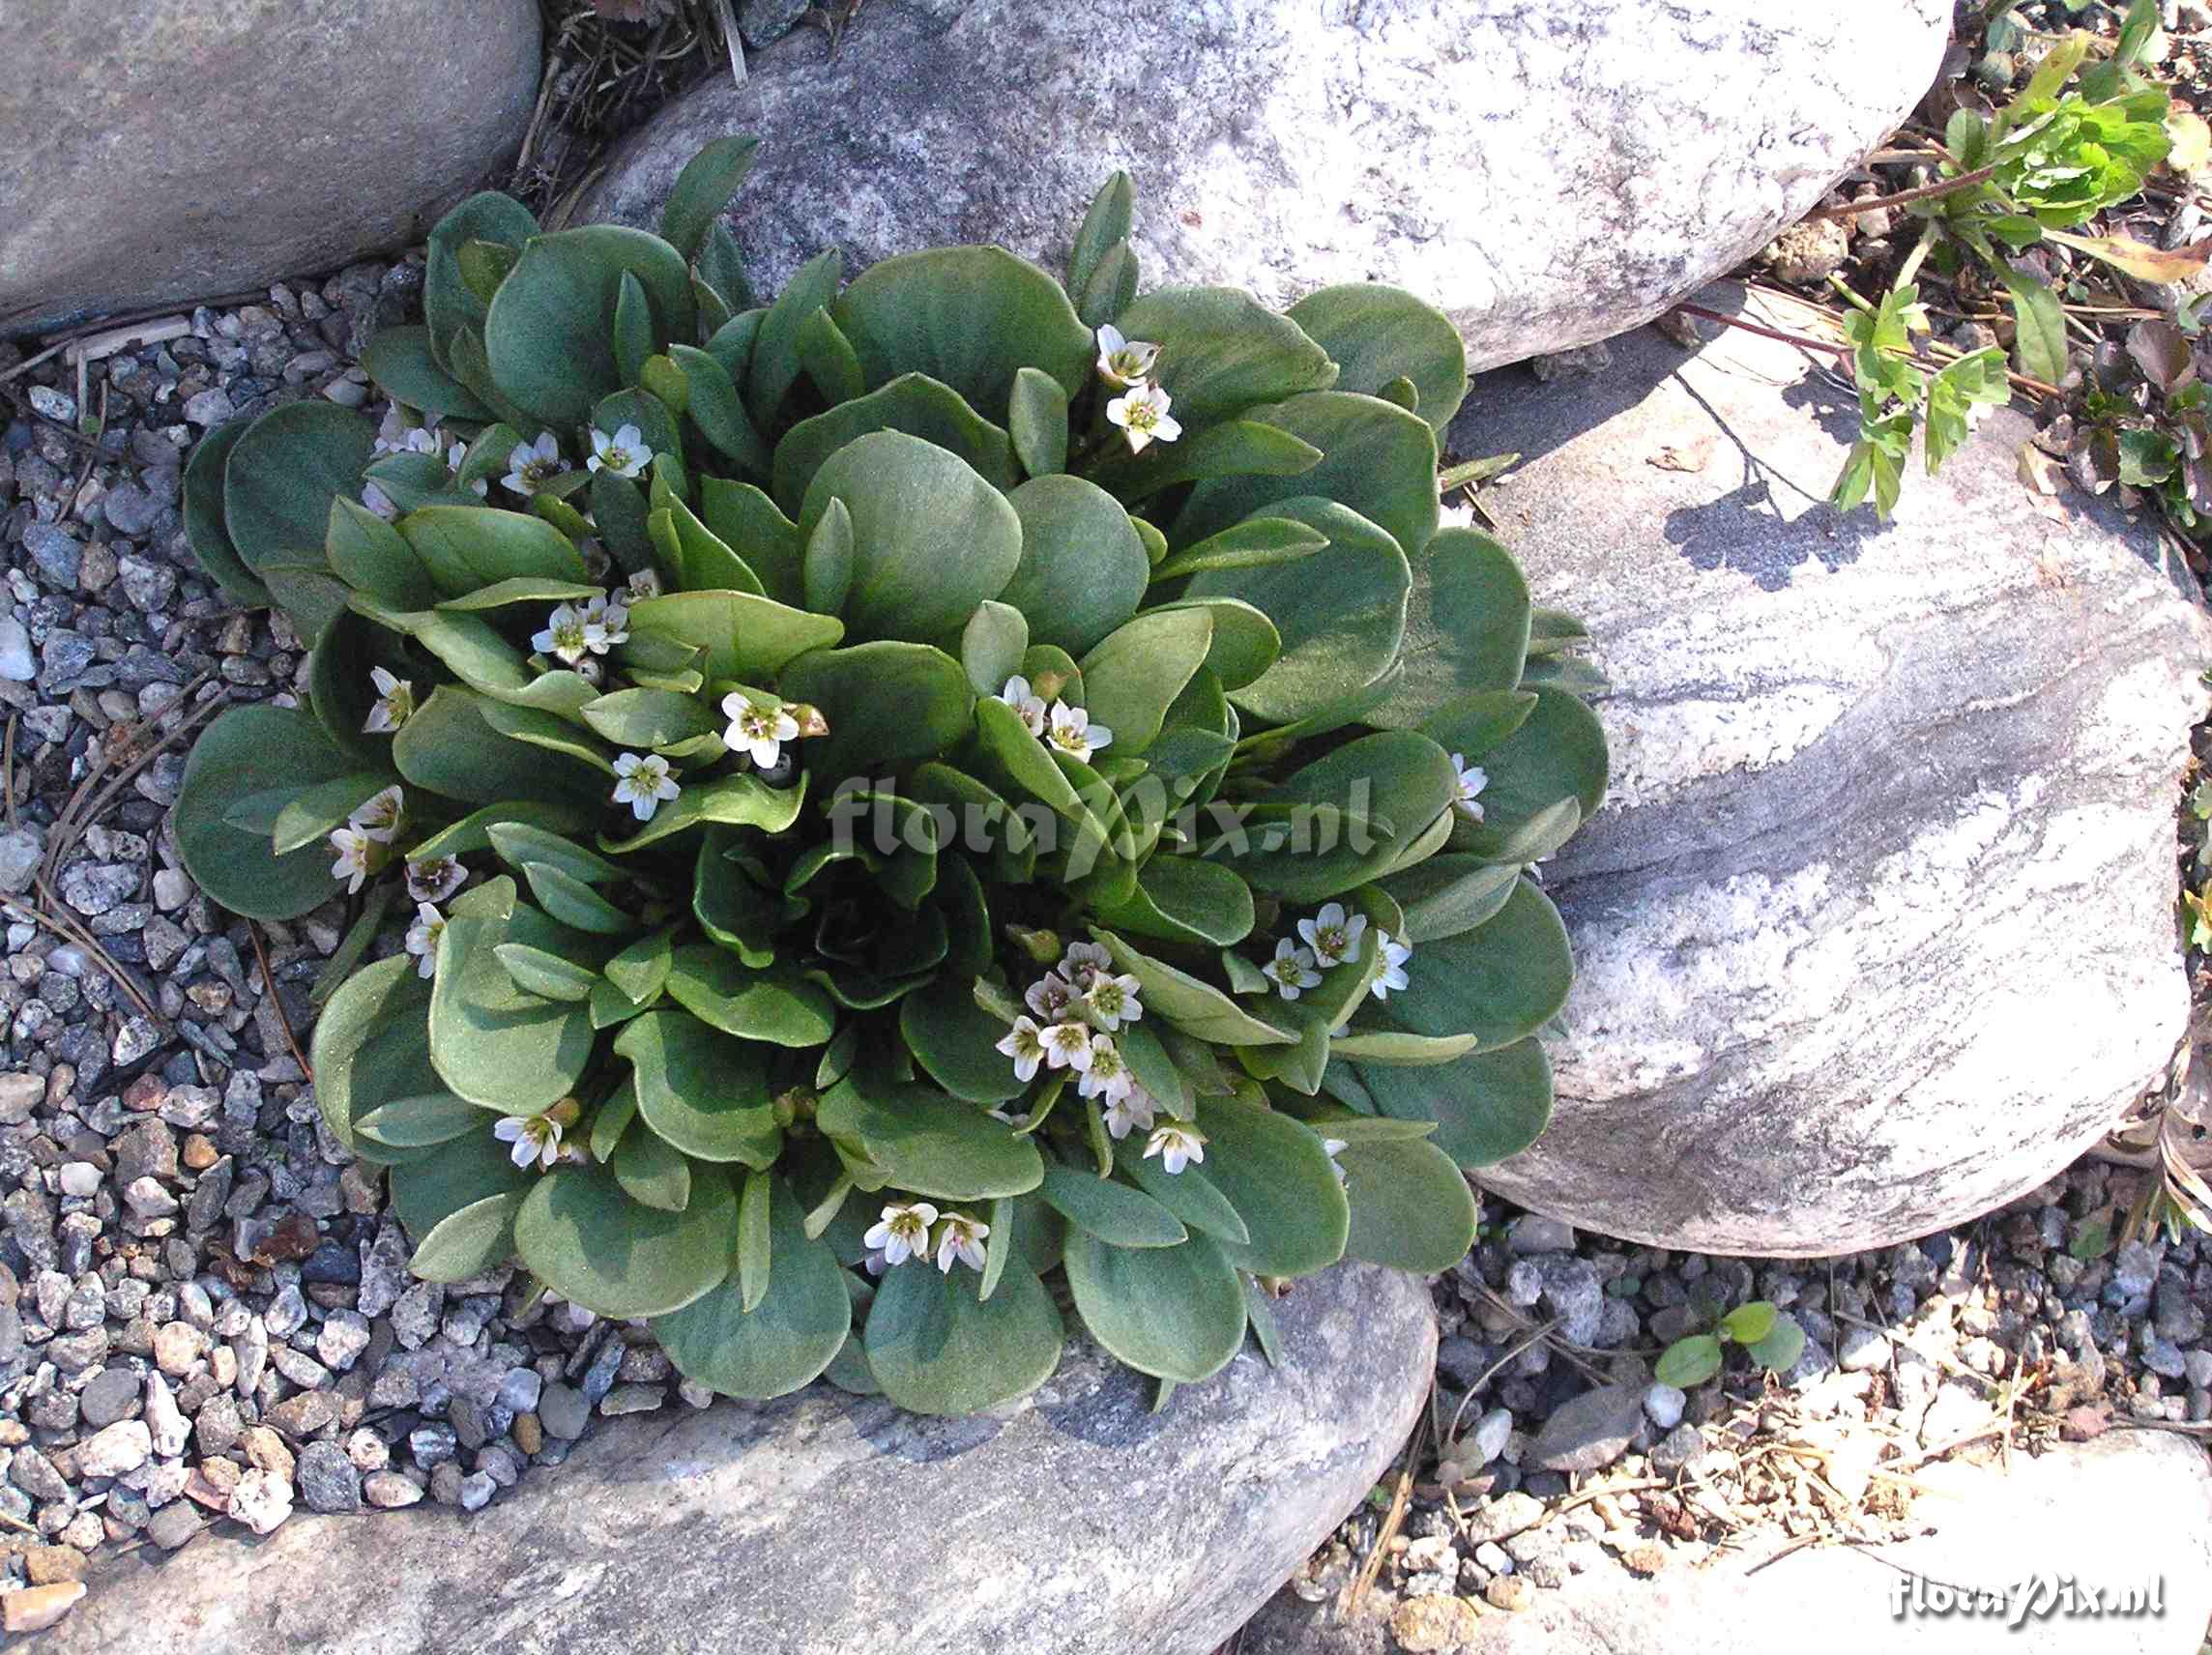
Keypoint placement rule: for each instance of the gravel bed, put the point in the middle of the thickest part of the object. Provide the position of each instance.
(1911, 1353)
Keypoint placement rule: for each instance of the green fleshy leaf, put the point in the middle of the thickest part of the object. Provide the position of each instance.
(1487, 1105)
(371, 1048)
(1223, 352)
(450, 748)
(1466, 628)
(1378, 335)
(1275, 1173)
(546, 334)
(703, 190)
(587, 1240)
(492, 1043)
(281, 475)
(426, 1192)
(405, 368)
(1083, 569)
(888, 704)
(468, 1241)
(1196, 1007)
(956, 1041)
(1173, 1312)
(917, 1138)
(931, 538)
(205, 522)
(1136, 672)
(746, 637)
(1410, 1206)
(774, 363)
(254, 751)
(936, 1347)
(1500, 981)
(969, 316)
(740, 800)
(1112, 1213)
(651, 1172)
(773, 1005)
(791, 1334)
(1036, 419)
(702, 1090)
(450, 304)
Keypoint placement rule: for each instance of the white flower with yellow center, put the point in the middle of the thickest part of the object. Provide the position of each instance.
(1018, 695)
(644, 583)
(422, 938)
(537, 1139)
(1472, 779)
(1395, 954)
(1073, 734)
(642, 783)
(1108, 1076)
(380, 814)
(1176, 1145)
(435, 880)
(612, 619)
(960, 1240)
(395, 701)
(1291, 970)
(758, 732)
(624, 453)
(1111, 1001)
(359, 857)
(1141, 412)
(1084, 958)
(1135, 1109)
(1123, 361)
(904, 1232)
(570, 636)
(1025, 1044)
(1067, 1046)
(1332, 934)
(531, 466)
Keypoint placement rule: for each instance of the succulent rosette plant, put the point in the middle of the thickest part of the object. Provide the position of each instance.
(879, 817)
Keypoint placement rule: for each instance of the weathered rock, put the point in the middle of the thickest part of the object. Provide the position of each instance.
(1876, 930)
(1185, 1520)
(181, 148)
(1549, 175)
(1590, 1431)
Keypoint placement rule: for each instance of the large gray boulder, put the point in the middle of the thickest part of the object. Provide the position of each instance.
(153, 151)
(1877, 930)
(2129, 1511)
(1077, 1522)
(1547, 174)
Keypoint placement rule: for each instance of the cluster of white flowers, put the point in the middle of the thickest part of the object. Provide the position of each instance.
(429, 883)
(395, 438)
(365, 843)
(575, 632)
(1140, 410)
(904, 1232)
(1331, 938)
(1075, 1010)
(1069, 728)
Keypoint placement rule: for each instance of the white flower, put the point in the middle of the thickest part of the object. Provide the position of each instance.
(1084, 958)
(1177, 1146)
(1068, 1045)
(423, 439)
(359, 857)
(395, 701)
(1395, 954)
(1111, 1001)
(568, 636)
(960, 1240)
(1335, 1147)
(1017, 695)
(1471, 781)
(536, 1138)
(379, 502)
(379, 815)
(645, 582)
(1124, 361)
(435, 880)
(1073, 733)
(758, 732)
(1050, 997)
(904, 1232)
(612, 618)
(1023, 1044)
(1108, 1075)
(422, 938)
(1141, 412)
(1291, 969)
(1455, 517)
(1333, 936)
(533, 465)
(643, 782)
(1134, 1109)
(624, 453)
